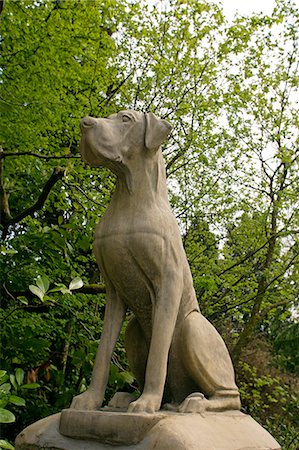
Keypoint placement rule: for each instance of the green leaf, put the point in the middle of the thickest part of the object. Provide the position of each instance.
(76, 283)
(36, 291)
(4, 399)
(13, 381)
(16, 360)
(5, 388)
(127, 377)
(59, 288)
(6, 416)
(40, 284)
(19, 375)
(43, 283)
(6, 445)
(3, 376)
(22, 299)
(17, 400)
(46, 282)
(30, 386)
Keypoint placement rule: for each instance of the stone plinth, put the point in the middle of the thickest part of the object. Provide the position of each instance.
(108, 426)
(108, 430)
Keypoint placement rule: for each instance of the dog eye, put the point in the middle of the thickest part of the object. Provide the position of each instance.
(126, 118)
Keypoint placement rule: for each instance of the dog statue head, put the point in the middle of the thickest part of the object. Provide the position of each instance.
(122, 139)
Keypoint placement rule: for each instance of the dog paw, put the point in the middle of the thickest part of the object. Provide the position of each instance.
(195, 403)
(146, 403)
(89, 401)
(121, 400)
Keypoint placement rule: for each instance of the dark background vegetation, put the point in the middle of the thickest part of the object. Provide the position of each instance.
(232, 166)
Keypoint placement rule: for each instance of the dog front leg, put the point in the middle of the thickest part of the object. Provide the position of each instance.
(113, 320)
(164, 320)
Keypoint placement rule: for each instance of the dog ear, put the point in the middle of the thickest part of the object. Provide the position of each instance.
(156, 131)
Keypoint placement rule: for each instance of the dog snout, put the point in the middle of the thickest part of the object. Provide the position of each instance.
(87, 122)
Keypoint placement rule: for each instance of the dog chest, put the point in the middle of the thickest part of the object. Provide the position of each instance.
(134, 263)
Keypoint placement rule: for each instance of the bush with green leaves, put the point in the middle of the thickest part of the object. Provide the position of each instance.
(10, 387)
(61, 331)
(272, 403)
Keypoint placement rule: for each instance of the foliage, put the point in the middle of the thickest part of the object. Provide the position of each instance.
(6, 445)
(232, 166)
(42, 291)
(8, 396)
(271, 402)
(285, 343)
(10, 385)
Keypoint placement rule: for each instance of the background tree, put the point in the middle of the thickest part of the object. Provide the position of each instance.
(232, 165)
(263, 126)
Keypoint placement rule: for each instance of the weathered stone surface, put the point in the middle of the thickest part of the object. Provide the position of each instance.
(220, 431)
(168, 431)
(172, 349)
(44, 434)
(108, 426)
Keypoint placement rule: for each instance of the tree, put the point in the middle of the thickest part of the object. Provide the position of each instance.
(56, 65)
(232, 165)
(263, 125)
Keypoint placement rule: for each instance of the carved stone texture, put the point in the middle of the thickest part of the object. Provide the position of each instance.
(177, 356)
(160, 431)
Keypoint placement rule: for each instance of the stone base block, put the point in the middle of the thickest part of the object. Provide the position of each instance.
(108, 426)
(111, 430)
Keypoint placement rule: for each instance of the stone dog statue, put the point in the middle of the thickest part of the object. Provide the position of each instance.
(176, 355)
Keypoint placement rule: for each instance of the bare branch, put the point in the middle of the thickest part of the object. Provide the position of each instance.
(91, 289)
(38, 155)
(247, 256)
(1, 5)
(187, 90)
(78, 188)
(57, 174)
(228, 308)
(273, 306)
(290, 264)
(266, 310)
(4, 204)
(114, 91)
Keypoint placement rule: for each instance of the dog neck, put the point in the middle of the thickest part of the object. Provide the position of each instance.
(143, 180)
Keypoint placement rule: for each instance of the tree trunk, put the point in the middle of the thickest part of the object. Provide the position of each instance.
(253, 321)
